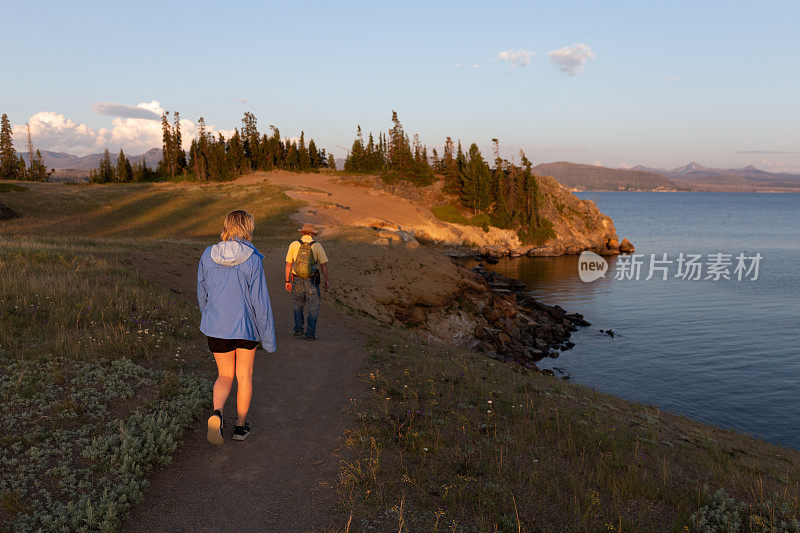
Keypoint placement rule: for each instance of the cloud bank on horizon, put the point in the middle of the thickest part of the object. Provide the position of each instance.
(135, 129)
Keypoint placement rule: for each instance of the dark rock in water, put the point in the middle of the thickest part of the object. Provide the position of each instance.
(625, 247)
(578, 320)
(547, 372)
(6, 213)
(491, 260)
(609, 332)
(554, 355)
(568, 346)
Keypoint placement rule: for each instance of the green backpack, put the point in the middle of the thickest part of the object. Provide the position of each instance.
(305, 261)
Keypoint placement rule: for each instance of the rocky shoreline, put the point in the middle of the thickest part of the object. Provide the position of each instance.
(490, 254)
(516, 327)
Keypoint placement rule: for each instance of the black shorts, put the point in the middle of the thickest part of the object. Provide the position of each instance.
(228, 345)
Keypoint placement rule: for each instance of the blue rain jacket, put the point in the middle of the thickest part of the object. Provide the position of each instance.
(232, 293)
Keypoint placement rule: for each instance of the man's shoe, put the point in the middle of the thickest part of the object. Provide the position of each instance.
(215, 426)
(309, 338)
(298, 333)
(241, 432)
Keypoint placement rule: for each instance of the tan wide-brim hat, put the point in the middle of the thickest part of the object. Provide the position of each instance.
(308, 228)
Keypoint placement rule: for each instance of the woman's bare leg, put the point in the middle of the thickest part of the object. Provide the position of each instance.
(244, 382)
(226, 364)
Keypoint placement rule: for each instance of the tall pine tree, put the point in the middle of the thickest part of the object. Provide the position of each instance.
(475, 181)
(9, 163)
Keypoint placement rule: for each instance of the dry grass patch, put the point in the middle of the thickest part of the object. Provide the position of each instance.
(452, 441)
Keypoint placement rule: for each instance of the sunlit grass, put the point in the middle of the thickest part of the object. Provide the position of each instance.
(145, 211)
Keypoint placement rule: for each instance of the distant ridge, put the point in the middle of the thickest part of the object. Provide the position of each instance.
(595, 177)
(695, 176)
(63, 161)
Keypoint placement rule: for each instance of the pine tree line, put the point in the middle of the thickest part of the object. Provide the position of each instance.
(393, 156)
(123, 171)
(12, 166)
(509, 195)
(215, 158)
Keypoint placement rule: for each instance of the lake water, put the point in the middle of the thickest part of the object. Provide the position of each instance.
(723, 352)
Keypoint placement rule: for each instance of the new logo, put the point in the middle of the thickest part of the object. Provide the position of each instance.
(591, 266)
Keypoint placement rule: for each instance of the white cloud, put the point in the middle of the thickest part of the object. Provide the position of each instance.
(571, 59)
(458, 65)
(477, 67)
(151, 111)
(55, 132)
(515, 58)
(671, 78)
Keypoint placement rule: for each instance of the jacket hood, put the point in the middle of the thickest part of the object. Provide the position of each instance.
(231, 253)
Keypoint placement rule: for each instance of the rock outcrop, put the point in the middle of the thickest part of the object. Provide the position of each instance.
(402, 212)
(420, 288)
(626, 247)
(576, 225)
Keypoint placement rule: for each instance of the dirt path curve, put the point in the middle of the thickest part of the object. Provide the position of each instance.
(332, 202)
(283, 477)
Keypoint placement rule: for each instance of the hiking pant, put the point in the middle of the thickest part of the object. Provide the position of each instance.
(305, 294)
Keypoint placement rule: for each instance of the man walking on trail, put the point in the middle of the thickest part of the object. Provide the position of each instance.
(304, 260)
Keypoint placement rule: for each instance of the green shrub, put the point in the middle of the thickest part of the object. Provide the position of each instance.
(84, 469)
(722, 513)
(538, 235)
(481, 221)
(450, 213)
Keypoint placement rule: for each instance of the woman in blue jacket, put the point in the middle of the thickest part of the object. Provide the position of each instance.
(237, 316)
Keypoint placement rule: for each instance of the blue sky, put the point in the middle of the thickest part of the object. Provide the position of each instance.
(631, 82)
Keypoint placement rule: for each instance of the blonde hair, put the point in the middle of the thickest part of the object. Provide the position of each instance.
(238, 225)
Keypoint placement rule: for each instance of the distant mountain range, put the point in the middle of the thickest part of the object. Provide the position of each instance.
(594, 177)
(691, 177)
(695, 176)
(64, 161)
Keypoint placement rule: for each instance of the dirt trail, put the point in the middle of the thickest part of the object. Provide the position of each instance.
(334, 203)
(283, 477)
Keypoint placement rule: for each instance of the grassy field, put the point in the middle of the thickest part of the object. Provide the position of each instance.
(453, 441)
(159, 211)
(101, 370)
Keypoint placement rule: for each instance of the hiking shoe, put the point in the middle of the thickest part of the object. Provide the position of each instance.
(241, 432)
(309, 338)
(215, 426)
(298, 333)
